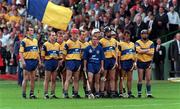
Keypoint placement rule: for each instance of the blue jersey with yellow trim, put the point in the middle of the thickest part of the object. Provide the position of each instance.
(127, 51)
(29, 48)
(140, 45)
(93, 55)
(109, 47)
(50, 50)
(72, 50)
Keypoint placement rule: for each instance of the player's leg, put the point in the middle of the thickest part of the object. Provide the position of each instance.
(84, 85)
(53, 84)
(139, 84)
(46, 83)
(112, 82)
(32, 84)
(90, 79)
(24, 83)
(148, 83)
(120, 84)
(76, 84)
(107, 88)
(63, 79)
(102, 83)
(129, 84)
(66, 85)
(97, 82)
(116, 82)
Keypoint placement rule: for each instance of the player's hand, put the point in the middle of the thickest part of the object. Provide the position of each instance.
(101, 71)
(135, 66)
(40, 64)
(115, 66)
(79, 68)
(60, 62)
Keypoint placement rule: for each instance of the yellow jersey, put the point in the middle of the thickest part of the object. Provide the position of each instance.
(109, 47)
(140, 45)
(127, 51)
(50, 50)
(72, 50)
(29, 48)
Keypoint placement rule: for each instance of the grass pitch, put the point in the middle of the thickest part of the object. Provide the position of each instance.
(167, 96)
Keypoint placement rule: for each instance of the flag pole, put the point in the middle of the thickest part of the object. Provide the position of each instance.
(25, 21)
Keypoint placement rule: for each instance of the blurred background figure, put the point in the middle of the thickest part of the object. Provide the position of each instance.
(159, 57)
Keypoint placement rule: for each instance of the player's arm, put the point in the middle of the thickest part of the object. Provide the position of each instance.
(119, 55)
(85, 57)
(102, 60)
(43, 52)
(151, 50)
(65, 50)
(21, 51)
(135, 59)
(139, 50)
(39, 57)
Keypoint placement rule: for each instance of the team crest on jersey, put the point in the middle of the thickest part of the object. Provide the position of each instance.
(76, 50)
(90, 51)
(97, 51)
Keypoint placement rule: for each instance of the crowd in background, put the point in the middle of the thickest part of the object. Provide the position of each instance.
(159, 17)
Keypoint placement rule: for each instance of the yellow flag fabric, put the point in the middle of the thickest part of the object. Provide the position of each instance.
(57, 16)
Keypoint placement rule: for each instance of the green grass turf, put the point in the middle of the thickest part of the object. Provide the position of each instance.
(167, 96)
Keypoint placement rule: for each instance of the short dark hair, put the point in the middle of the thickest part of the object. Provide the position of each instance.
(127, 32)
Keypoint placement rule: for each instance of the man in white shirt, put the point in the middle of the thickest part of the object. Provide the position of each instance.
(5, 37)
(174, 20)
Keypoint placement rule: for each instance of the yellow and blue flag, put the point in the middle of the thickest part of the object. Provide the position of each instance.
(50, 13)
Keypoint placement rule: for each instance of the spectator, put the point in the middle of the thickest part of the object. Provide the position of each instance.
(2, 59)
(176, 5)
(15, 17)
(4, 37)
(97, 23)
(170, 55)
(174, 20)
(159, 57)
(147, 7)
(161, 21)
(140, 13)
(139, 25)
(129, 26)
(175, 52)
(11, 61)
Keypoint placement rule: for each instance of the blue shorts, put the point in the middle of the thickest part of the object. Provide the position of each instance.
(109, 63)
(93, 68)
(127, 65)
(51, 65)
(73, 65)
(31, 64)
(143, 65)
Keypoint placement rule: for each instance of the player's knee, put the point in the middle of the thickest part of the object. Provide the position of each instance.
(97, 82)
(112, 78)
